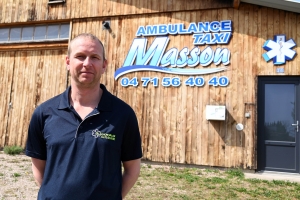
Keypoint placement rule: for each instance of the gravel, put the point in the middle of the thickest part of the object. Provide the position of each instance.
(16, 179)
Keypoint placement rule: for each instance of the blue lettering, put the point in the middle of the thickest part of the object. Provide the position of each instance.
(163, 29)
(194, 59)
(226, 38)
(216, 32)
(182, 61)
(217, 38)
(151, 30)
(226, 25)
(206, 56)
(222, 55)
(154, 53)
(206, 39)
(173, 28)
(214, 26)
(141, 31)
(203, 27)
(169, 58)
(192, 28)
(181, 29)
(197, 37)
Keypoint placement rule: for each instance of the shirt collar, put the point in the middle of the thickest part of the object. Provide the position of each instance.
(105, 103)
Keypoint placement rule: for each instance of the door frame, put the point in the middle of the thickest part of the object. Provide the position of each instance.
(261, 154)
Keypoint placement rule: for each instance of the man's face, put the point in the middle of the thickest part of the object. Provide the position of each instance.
(85, 62)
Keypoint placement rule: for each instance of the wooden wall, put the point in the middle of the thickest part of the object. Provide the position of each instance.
(14, 11)
(27, 79)
(172, 120)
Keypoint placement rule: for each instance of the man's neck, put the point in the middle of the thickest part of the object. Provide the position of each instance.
(85, 96)
(85, 100)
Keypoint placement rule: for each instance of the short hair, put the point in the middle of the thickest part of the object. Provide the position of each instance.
(89, 36)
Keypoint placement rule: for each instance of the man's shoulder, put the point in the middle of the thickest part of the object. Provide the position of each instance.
(111, 101)
(52, 102)
(46, 108)
(118, 103)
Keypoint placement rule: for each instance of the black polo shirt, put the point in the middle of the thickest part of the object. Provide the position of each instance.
(83, 157)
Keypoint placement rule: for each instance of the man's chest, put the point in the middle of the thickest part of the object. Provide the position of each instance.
(99, 128)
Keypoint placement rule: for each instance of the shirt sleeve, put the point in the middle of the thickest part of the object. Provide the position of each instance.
(131, 146)
(36, 145)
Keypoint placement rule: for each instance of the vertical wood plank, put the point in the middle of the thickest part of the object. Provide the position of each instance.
(205, 154)
(192, 115)
(211, 137)
(249, 143)
(293, 35)
(7, 74)
(264, 36)
(238, 136)
(222, 95)
(230, 90)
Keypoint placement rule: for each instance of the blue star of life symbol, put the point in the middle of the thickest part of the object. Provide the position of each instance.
(279, 50)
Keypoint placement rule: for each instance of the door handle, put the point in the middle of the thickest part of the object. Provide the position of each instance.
(297, 126)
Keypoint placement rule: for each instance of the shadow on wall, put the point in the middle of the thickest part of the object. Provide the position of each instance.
(176, 5)
(227, 131)
(249, 19)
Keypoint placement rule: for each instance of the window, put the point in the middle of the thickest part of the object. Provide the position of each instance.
(15, 34)
(38, 33)
(4, 34)
(52, 32)
(27, 33)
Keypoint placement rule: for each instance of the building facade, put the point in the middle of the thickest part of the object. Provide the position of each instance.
(213, 83)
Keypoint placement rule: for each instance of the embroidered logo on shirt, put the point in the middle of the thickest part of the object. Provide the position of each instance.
(96, 133)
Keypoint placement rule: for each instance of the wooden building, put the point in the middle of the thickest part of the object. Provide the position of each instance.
(213, 83)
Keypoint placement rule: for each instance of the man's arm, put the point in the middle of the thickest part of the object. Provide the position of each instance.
(130, 175)
(38, 168)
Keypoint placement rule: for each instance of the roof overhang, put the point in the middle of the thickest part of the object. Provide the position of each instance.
(289, 5)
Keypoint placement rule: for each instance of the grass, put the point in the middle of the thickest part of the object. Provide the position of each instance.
(192, 183)
(162, 182)
(238, 173)
(13, 150)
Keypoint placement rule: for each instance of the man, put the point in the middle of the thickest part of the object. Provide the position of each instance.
(79, 139)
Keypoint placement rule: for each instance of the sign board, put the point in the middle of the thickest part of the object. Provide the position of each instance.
(176, 61)
(279, 50)
(215, 112)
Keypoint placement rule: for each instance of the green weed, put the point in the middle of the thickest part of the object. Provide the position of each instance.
(212, 170)
(278, 182)
(235, 173)
(240, 189)
(16, 175)
(254, 180)
(13, 150)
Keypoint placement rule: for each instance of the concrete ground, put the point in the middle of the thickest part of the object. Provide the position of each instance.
(269, 175)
